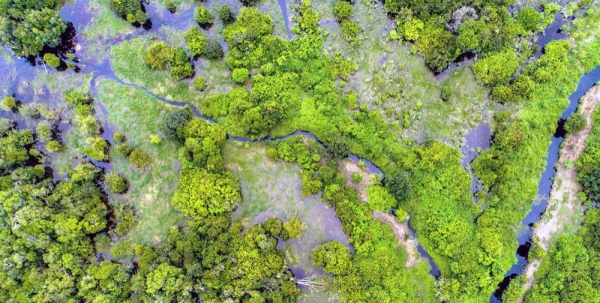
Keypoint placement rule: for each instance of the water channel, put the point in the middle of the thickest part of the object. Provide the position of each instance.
(477, 139)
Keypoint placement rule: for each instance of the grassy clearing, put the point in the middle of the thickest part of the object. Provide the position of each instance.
(274, 189)
(393, 80)
(128, 64)
(105, 24)
(136, 114)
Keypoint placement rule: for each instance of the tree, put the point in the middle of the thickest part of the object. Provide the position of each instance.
(343, 11)
(212, 50)
(339, 147)
(37, 29)
(292, 229)
(115, 183)
(195, 41)
(226, 14)
(240, 75)
(202, 193)
(166, 279)
(399, 185)
(9, 103)
(44, 131)
(273, 226)
(530, 19)
(159, 56)
(139, 158)
(130, 10)
(203, 16)
(496, 68)
(333, 256)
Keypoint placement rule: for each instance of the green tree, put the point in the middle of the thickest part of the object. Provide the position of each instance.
(273, 226)
(496, 68)
(98, 150)
(333, 256)
(343, 11)
(530, 19)
(195, 41)
(226, 14)
(199, 83)
(203, 16)
(240, 75)
(115, 183)
(139, 158)
(292, 229)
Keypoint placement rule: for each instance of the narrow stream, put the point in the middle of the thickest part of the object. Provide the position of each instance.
(537, 210)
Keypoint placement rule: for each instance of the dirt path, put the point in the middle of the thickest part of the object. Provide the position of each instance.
(400, 231)
(563, 201)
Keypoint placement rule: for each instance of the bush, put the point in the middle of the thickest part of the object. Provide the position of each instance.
(497, 68)
(199, 83)
(139, 159)
(118, 137)
(155, 140)
(351, 31)
(123, 150)
(332, 256)
(399, 185)
(181, 66)
(98, 150)
(273, 226)
(212, 49)
(171, 6)
(195, 41)
(240, 75)
(44, 131)
(357, 177)
(343, 11)
(159, 56)
(575, 123)
(9, 103)
(203, 16)
(52, 60)
(53, 146)
(446, 92)
(115, 183)
(339, 147)
(226, 14)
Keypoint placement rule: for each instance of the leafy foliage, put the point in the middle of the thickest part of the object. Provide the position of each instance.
(163, 57)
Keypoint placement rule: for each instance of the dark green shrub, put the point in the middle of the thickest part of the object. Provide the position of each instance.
(399, 185)
(123, 150)
(181, 66)
(339, 147)
(226, 14)
(212, 49)
(446, 92)
(174, 120)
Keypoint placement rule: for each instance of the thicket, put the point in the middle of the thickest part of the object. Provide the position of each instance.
(130, 10)
(443, 30)
(174, 59)
(28, 26)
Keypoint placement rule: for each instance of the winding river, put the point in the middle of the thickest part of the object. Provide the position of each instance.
(477, 139)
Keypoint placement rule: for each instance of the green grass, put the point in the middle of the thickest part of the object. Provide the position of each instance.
(274, 189)
(138, 116)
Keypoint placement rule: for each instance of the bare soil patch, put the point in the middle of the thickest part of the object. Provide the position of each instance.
(402, 234)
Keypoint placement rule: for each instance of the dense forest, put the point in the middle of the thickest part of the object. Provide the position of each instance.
(116, 184)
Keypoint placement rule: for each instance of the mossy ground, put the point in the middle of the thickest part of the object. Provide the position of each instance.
(274, 189)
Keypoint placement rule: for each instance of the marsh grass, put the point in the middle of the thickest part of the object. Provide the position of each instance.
(137, 115)
(396, 82)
